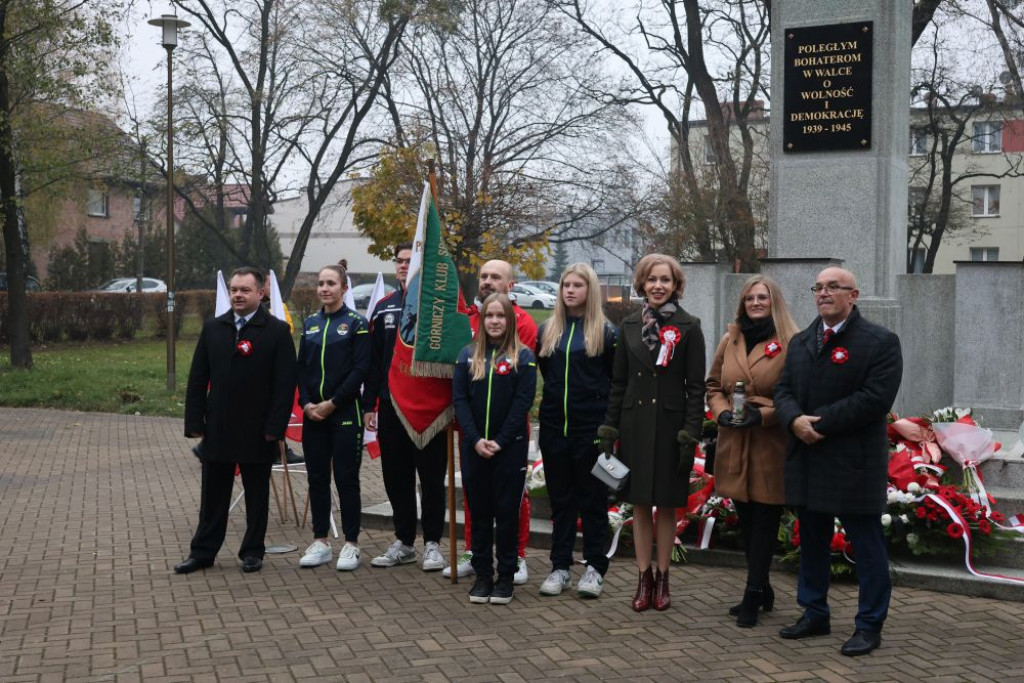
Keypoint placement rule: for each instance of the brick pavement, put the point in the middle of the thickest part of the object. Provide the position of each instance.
(97, 508)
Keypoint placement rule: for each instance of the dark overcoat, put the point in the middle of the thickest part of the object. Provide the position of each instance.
(650, 404)
(235, 400)
(748, 462)
(851, 385)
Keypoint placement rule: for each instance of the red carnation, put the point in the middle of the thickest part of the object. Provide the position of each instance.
(984, 526)
(838, 542)
(997, 517)
(933, 516)
(954, 530)
(921, 512)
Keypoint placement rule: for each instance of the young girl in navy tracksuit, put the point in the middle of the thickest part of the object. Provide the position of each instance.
(334, 354)
(575, 351)
(493, 389)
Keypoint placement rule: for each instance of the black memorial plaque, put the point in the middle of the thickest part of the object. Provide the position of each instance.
(827, 99)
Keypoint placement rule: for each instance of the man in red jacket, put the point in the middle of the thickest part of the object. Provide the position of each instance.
(498, 276)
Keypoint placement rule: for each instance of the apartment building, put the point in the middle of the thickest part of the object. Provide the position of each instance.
(988, 198)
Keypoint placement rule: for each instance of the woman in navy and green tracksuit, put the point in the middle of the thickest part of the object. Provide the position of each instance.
(334, 355)
(575, 350)
(493, 389)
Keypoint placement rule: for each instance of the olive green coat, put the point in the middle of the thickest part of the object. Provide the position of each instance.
(649, 405)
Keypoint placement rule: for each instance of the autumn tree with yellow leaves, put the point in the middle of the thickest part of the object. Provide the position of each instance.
(502, 99)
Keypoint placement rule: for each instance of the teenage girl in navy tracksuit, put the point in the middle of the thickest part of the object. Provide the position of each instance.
(334, 354)
(575, 351)
(493, 389)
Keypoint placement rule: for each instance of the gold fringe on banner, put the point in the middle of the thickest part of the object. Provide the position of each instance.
(428, 369)
(436, 427)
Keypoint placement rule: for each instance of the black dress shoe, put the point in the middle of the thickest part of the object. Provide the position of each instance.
(191, 564)
(252, 564)
(805, 628)
(861, 643)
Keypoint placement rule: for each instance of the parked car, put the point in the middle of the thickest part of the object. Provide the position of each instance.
(531, 297)
(545, 286)
(127, 284)
(31, 284)
(361, 294)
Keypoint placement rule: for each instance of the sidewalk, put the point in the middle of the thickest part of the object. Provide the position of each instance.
(96, 509)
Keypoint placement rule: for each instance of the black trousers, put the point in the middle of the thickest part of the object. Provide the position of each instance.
(324, 443)
(573, 491)
(215, 500)
(494, 488)
(400, 461)
(759, 529)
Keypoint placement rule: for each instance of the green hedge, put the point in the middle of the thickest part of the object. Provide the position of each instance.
(100, 316)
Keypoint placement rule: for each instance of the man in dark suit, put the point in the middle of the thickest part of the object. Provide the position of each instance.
(238, 401)
(839, 383)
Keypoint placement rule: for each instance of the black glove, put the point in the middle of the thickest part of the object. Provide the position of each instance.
(725, 418)
(686, 452)
(608, 435)
(751, 417)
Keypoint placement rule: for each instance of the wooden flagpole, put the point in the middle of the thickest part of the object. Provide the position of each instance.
(453, 541)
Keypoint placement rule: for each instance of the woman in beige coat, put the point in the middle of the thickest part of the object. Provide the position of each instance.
(751, 452)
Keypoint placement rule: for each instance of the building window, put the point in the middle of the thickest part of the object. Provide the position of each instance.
(984, 253)
(919, 141)
(988, 136)
(598, 265)
(917, 260)
(986, 200)
(709, 151)
(97, 204)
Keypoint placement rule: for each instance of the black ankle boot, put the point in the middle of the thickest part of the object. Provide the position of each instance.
(767, 602)
(753, 599)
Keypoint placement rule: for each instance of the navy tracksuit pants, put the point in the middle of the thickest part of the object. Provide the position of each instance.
(494, 487)
(323, 444)
(572, 489)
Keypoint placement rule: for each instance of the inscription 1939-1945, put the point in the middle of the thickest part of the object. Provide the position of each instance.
(827, 99)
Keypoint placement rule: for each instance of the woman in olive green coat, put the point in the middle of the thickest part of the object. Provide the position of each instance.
(655, 410)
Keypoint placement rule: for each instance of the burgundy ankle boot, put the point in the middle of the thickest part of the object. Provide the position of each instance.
(662, 600)
(644, 588)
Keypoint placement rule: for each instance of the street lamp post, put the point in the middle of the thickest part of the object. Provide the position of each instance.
(170, 24)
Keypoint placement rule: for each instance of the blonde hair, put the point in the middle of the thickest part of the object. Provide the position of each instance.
(510, 345)
(593, 316)
(646, 265)
(785, 326)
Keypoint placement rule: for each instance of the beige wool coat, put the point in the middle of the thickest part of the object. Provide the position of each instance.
(749, 462)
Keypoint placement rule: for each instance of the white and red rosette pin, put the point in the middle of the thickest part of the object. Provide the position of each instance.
(244, 347)
(772, 348)
(840, 355)
(669, 337)
(503, 366)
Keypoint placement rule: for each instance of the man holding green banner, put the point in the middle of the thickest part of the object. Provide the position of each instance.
(432, 330)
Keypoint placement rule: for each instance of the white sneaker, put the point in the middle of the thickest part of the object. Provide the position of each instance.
(557, 581)
(316, 554)
(348, 558)
(522, 574)
(433, 560)
(590, 584)
(464, 566)
(397, 553)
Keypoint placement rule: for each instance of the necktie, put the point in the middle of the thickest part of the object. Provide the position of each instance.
(239, 324)
(826, 336)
